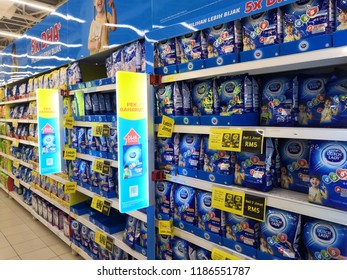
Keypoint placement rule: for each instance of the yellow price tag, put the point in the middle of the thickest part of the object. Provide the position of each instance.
(97, 203)
(69, 122)
(228, 200)
(104, 240)
(218, 254)
(101, 166)
(97, 129)
(166, 227)
(225, 139)
(70, 187)
(165, 129)
(15, 124)
(15, 143)
(16, 163)
(70, 154)
(17, 183)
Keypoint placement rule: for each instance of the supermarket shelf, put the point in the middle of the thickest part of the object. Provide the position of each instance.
(7, 172)
(306, 60)
(109, 87)
(91, 158)
(18, 120)
(80, 252)
(21, 100)
(57, 178)
(25, 142)
(4, 188)
(279, 198)
(26, 164)
(25, 185)
(89, 124)
(337, 134)
(19, 199)
(115, 204)
(203, 243)
(117, 237)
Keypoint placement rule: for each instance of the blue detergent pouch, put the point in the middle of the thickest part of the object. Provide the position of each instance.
(235, 95)
(74, 137)
(129, 232)
(262, 29)
(189, 151)
(88, 104)
(129, 52)
(102, 104)
(164, 200)
(184, 204)
(81, 138)
(203, 97)
(324, 240)
(328, 173)
(164, 95)
(334, 113)
(341, 15)
(179, 249)
(241, 229)
(166, 52)
(280, 233)
(279, 101)
(83, 172)
(254, 170)
(192, 46)
(306, 18)
(117, 61)
(312, 95)
(207, 218)
(163, 247)
(95, 104)
(294, 154)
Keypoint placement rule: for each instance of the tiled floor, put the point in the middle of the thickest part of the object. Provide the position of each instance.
(22, 238)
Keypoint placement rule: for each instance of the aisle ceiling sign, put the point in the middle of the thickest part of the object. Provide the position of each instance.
(132, 134)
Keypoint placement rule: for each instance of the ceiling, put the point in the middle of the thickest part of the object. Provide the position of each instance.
(17, 18)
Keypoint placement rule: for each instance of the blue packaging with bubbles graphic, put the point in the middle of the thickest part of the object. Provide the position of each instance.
(220, 162)
(334, 113)
(184, 204)
(294, 154)
(164, 200)
(325, 240)
(255, 170)
(341, 15)
(179, 249)
(262, 29)
(312, 91)
(328, 174)
(305, 18)
(189, 151)
(208, 218)
(223, 39)
(205, 98)
(280, 233)
(279, 101)
(235, 95)
(241, 229)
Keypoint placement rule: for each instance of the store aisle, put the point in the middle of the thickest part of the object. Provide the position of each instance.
(21, 237)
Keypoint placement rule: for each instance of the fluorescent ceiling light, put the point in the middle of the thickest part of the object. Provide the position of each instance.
(10, 34)
(35, 5)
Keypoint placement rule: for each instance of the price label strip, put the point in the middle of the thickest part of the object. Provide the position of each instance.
(106, 130)
(70, 154)
(104, 240)
(69, 122)
(17, 183)
(239, 203)
(166, 227)
(101, 205)
(15, 143)
(15, 124)
(101, 166)
(97, 130)
(16, 163)
(165, 129)
(70, 187)
(218, 254)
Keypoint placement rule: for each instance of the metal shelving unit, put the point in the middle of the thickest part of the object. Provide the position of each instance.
(104, 88)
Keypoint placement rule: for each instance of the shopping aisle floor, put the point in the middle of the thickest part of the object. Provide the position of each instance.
(22, 238)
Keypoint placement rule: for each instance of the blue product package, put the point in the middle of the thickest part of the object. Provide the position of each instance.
(163, 199)
(208, 218)
(75, 168)
(294, 154)
(94, 248)
(255, 95)
(220, 162)
(143, 234)
(312, 91)
(328, 173)
(189, 151)
(334, 113)
(184, 204)
(90, 139)
(186, 99)
(179, 249)
(74, 75)
(108, 103)
(102, 105)
(129, 231)
(109, 67)
(164, 95)
(341, 15)
(93, 179)
(255, 170)
(129, 53)
(204, 95)
(203, 254)
(305, 18)
(76, 230)
(85, 236)
(95, 104)
(104, 183)
(279, 101)
(235, 95)
(104, 147)
(167, 52)
(88, 104)
(192, 46)
(83, 172)
(223, 38)
(81, 138)
(324, 240)
(280, 233)
(74, 137)
(242, 229)
(262, 29)
(132, 160)
(166, 149)
(163, 250)
(118, 61)
(113, 141)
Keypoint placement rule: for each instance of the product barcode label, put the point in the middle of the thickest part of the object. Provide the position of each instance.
(134, 191)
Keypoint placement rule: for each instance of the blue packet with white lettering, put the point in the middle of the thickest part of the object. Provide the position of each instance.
(103, 144)
(164, 200)
(75, 168)
(91, 139)
(167, 52)
(129, 52)
(192, 46)
(189, 151)
(95, 104)
(83, 172)
(205, 97)
(113, 141)
(165, 98)
(74, 137)
(81, 138)
(184, 204)
(108, 103)
(187, 99)
(117, 61)
(179, 249)
(130, 230)
(102, 104)
(88, 104)
(109, 67)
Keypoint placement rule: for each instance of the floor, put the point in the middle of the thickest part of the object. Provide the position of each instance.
(23, 238)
